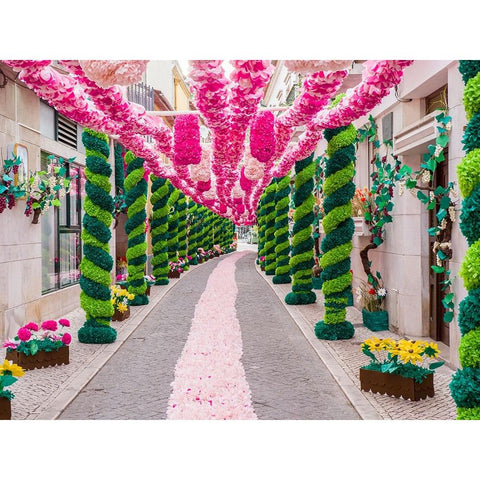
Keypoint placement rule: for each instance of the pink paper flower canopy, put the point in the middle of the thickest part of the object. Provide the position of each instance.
(248, 144)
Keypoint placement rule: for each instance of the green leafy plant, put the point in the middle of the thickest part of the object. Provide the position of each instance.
(9, 372)
(9, 192)
(45, 188)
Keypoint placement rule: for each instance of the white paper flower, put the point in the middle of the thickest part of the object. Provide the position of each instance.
(381, 292)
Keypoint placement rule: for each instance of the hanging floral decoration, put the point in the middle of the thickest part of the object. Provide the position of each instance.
(186, 136)
(262, 136)
(310, 66)
(106, 73)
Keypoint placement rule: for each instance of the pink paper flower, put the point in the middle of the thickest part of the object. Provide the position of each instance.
(32, 326)
(106, 73)
(10, 344)
(310, 66)
(64, 322)
(66, 339)
(50, 325)
(262, 136)
(186, 136)
(24, 334)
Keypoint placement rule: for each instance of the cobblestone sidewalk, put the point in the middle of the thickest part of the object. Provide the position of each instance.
(347, 354)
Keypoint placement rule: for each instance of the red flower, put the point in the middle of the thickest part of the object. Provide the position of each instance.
(49, 325)
(66, 339)
(24, 334)
(64, 322)
(372, 291)
(32, 326)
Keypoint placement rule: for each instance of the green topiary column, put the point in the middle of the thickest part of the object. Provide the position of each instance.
(136, 189)
(182, 228)
(261, 229)
(465, 384)
(339, 227)
(282, 242)
(173, 224)
(301, 261)
(270, 258)
(96, 263)
(192, 231)
(159, 229)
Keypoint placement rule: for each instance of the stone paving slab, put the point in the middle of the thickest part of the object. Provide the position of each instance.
(348, 356)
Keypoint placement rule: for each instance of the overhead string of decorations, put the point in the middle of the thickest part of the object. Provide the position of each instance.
(249, 146)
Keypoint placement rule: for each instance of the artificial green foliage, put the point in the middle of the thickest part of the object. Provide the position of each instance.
(469, 349)
(270, 263)
(471, 96)
(470, 216)
(159, 230)
(182, 229)
(471, 137)
(470, 269)
(96, 262)
(173, 224)
(468, 172)
(136, 199)
(193, 220)
(282, 242)
(338, 226)
(468, 69)
(261, 230)
(465, 384)
(469, 308)
(301, 260)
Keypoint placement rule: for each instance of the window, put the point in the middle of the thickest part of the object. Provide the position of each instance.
(437, 100)
(61, 229)
(60, 128)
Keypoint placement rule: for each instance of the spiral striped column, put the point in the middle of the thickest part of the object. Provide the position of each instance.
(270, 259)
(136, 189)
(119, 170)
(338, 225)
(465, 384)
(182, 228)
(200, 233)
(159, 229)
(282, 241)
(192, 231)
(261, 229)
(97, 262)
(301, 261)
(173, 224)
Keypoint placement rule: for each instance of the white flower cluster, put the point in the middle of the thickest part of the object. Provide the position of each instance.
(426, 177)
(451, 212)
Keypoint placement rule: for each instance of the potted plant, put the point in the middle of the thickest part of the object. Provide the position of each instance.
(201, 255)
(372, 301)
(175, 270)
(38, 347)
(217, 251)
(150, 279)
(262, 263)
(399, 368)
(121, 300)
(9, 372)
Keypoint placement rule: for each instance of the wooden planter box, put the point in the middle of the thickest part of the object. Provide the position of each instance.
(120, 316)
(375, 321)
(40, 359)
(5, 409)
(147, 291)
(173, 274)
(262, 268)
(395, 385)
(216, 254)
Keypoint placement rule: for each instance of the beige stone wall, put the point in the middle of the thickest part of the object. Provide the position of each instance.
(403, 259)
(21, 298)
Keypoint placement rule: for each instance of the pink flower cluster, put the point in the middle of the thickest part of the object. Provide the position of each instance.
(262, 136)
(186, 137)
(106, 73)
(310, 66)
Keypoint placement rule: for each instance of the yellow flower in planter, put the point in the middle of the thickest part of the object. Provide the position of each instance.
(431, 350)
(8, 368)
(130, 296)
(121, 307)
(374, 344)
(410, 351)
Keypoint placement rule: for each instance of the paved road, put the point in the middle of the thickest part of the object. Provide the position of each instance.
(135, 383)
(286, 377)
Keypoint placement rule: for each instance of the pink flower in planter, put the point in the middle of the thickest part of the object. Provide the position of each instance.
(10, 344)
(49, 325)
(66, 339)
(32, 326)
(24, 334)
(64, 322)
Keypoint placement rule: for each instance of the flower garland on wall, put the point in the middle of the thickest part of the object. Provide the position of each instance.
(282, 242)
(465, 384)
(301, 261)
(96, 263)
(338, 226)
(159, 229)
(136, 199)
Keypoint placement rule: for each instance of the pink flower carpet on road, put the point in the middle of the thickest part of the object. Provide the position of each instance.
(210, 381)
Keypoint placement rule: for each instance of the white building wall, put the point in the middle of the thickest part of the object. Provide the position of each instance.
(159, 76)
